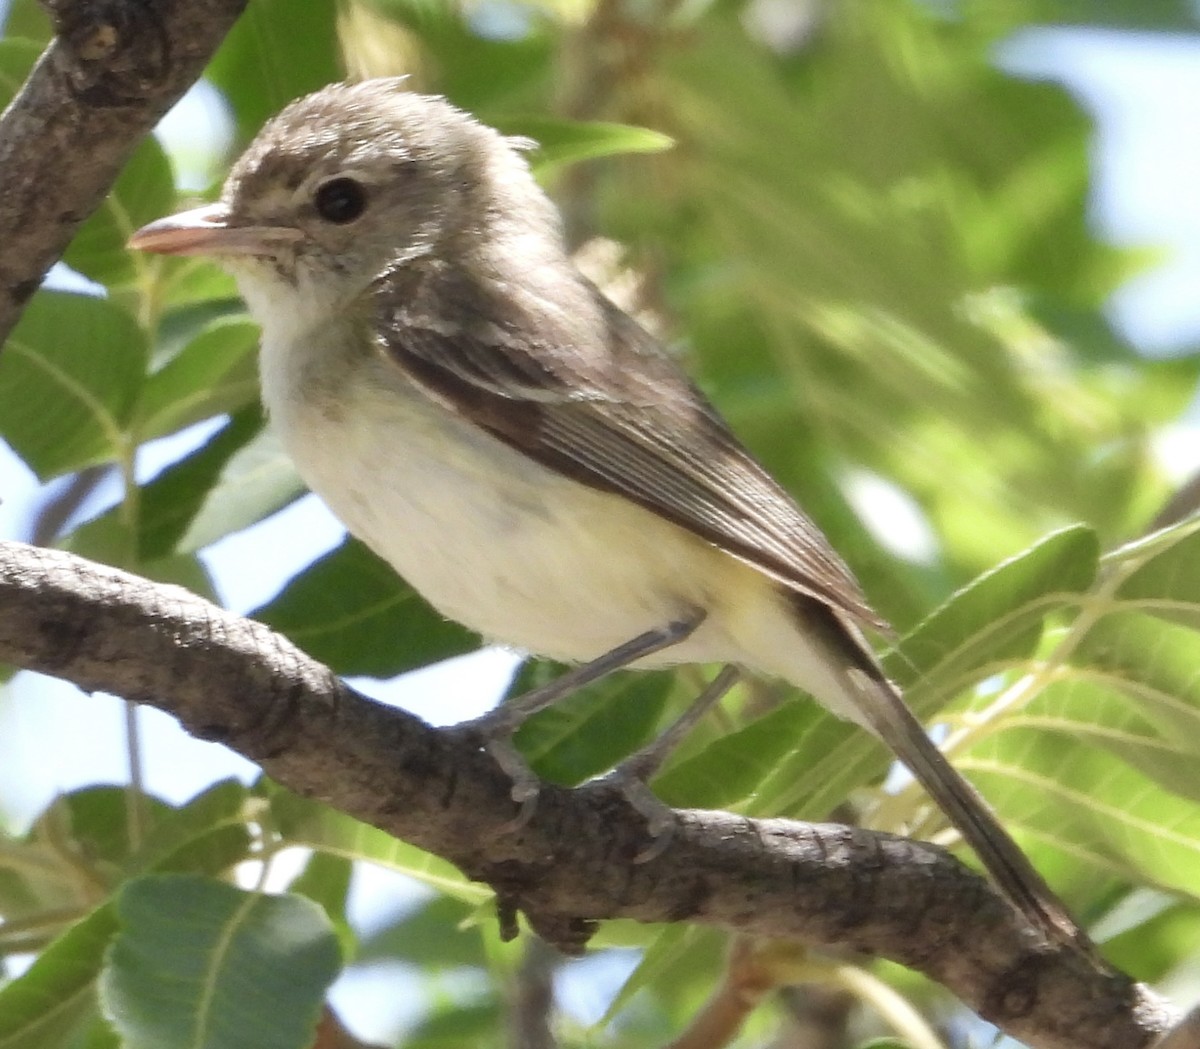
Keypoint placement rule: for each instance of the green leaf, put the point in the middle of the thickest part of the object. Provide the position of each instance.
(207, 834)
(351, 611)
(215, 299)
(98, 1035)
(317, 826)
(96, 821)
(818, 760)
(1161, 574)
(998, 616)
(564, 142)
(57, 993)
(276, 52)
(214, 374)
(735, 765)
(326, 881)
(676, 955)
(16, 60)
(255, 480)
(1152, 948)
(482, 73)
(1154, 664)
(198, 963)
(432, 936)
(69, 376)
(454, 1026)
(145, 190)
(828, 759)
(108, 538)
(1085, 800)
(593, 729)
(170, 503)
(1095, 709)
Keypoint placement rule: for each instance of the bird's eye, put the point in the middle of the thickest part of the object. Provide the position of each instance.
(340, 200)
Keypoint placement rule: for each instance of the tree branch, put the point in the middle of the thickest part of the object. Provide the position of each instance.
(572, 864)
(115, 68)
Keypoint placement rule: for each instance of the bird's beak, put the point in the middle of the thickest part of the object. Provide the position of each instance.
(210, 230)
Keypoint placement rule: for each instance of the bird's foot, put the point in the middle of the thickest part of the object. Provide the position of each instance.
(632, 776)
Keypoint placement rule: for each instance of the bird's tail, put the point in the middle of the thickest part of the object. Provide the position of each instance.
(874, 702)
(886, 713)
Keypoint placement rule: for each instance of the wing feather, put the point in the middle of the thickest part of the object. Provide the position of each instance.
(615, 413)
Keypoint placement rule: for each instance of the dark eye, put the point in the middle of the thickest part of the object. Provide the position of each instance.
(340, 200)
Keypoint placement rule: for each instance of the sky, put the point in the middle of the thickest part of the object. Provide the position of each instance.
(1144, 92)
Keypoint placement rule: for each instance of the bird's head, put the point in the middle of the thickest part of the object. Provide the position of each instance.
(352, 181)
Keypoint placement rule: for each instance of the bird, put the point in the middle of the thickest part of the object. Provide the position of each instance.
(518, 448)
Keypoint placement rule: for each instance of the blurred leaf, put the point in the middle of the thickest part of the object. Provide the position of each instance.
(592, 729)
(1151, 949)
(145, 190)
(325, 880)
(862, 285)
(111, 539)
(200, 295)
(27, 20)
(1085, 799)
(198, 962)
(95, 820)
(92, 824)
(351, 611)
(454, 1026)
(317, 826)
(276, 52)
(734, 766)
(214, 374)
(431, 936)
(564, 142)
(206, 834)
(171, 501)
(1178, 15)
(485, 73)
(57, 993)
(998, 616)
(98, 1035)
(69, 377)
(17, 57)
(256, 479)
(1161, 574)
(671, 961)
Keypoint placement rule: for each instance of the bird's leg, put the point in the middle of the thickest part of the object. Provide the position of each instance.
(497, 726)
(632, 776)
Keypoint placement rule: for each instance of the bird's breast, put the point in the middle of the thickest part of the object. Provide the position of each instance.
(491, 538)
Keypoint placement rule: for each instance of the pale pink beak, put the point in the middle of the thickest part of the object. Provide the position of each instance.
(208, 230)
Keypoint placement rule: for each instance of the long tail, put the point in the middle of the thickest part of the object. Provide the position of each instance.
(879, 706)
(889, 716)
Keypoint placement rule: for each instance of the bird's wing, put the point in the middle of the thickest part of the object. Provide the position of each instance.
(614, 413)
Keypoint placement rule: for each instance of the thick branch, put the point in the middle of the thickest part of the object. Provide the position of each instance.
(234, 680)
(116, 67)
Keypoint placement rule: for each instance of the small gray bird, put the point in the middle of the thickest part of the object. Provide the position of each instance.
(518, 448)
